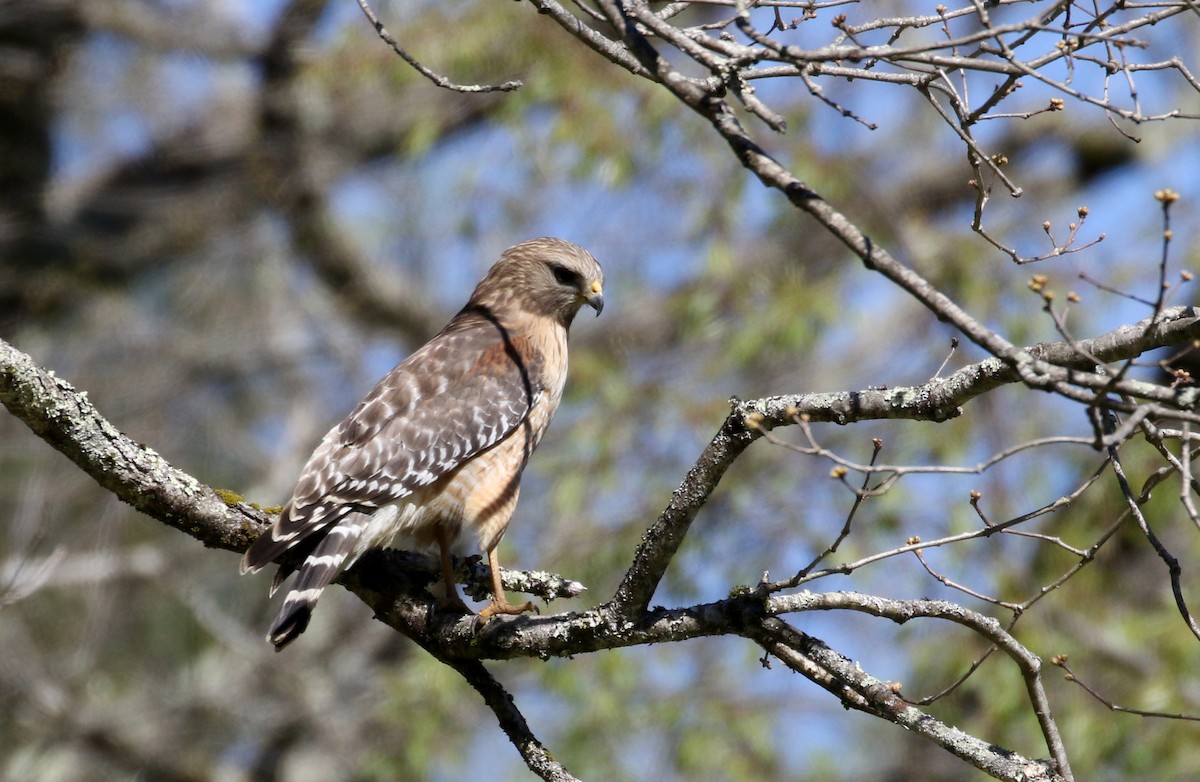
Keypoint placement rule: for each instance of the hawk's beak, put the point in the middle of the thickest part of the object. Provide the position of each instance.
(595, 297)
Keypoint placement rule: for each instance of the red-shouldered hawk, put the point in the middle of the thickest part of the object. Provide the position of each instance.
(437, 448)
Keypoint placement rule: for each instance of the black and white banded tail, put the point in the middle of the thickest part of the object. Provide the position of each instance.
(330, 556)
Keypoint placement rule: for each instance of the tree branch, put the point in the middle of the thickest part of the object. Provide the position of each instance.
(1086, 387)
(436, 78)
(512, 722)
(296, 180)
(856, 689)
(68, 422)
(902, 611)
(393, 583)
(65, 419)
(940, 399)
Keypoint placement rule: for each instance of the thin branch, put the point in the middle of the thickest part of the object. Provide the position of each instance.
(941, 398)
(67, 420)
(989, 529)
(905, 610)
(664, 537)
(1174, 569)
(859, 690)
(295, 185)
(859, 496)
(896, 470)
(1071, 676)
(950, 583)
(436, 78)
(512, 722)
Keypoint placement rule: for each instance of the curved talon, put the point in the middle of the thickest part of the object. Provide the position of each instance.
(499, 604)
(502, 606)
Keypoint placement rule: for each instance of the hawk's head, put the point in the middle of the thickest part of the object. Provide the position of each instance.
(546, 276)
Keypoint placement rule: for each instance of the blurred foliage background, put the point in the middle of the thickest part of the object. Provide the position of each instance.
(226, 220)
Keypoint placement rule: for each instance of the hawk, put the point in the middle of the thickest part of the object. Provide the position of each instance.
(435, 451)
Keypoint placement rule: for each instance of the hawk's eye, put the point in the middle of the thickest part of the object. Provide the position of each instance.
(566, 276)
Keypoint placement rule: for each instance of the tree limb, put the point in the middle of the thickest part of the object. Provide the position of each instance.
(511, 720)
(70, 423)
(394, 588)
(858, 690)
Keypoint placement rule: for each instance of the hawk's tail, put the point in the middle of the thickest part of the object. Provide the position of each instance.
(286, 532)
(321, 567)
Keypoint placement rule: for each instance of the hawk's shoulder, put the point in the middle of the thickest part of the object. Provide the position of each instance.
(460, 394)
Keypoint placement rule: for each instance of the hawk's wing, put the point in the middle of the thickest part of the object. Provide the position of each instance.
(463, 392)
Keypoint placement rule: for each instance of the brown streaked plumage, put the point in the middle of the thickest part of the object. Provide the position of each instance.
(437, 448)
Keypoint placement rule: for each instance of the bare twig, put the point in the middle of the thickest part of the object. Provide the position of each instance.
(512, 722)
(1071, 676)
(436, 78)
(1173, 567)
(906, 610)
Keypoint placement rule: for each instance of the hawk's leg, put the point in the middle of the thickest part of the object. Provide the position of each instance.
(450, 600)
(500, 604)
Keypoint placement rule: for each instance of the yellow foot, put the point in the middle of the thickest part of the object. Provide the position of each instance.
(503, 607)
